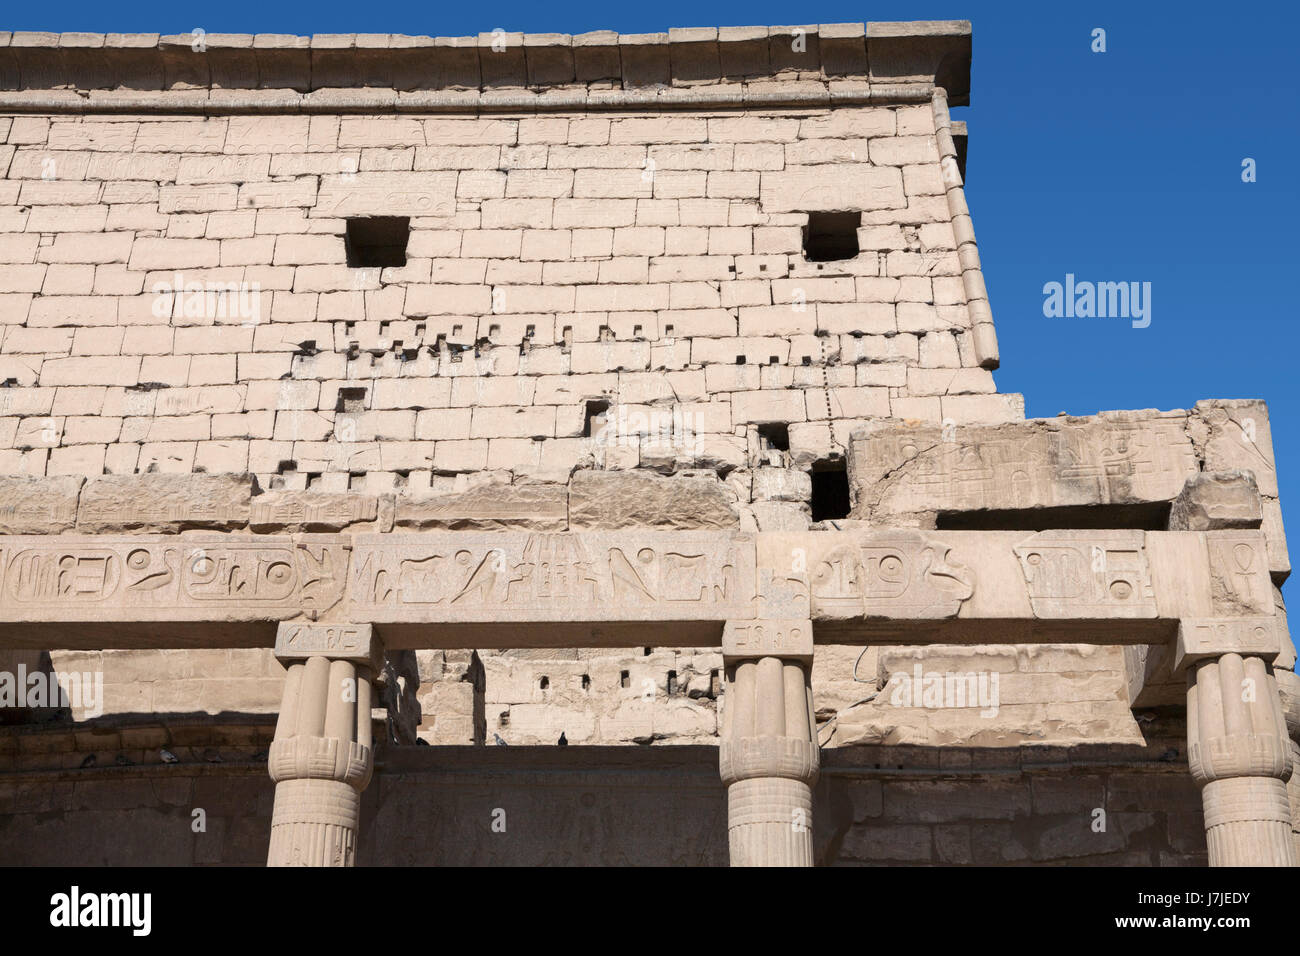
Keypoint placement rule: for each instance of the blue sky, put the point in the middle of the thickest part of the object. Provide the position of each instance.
(1116, 166)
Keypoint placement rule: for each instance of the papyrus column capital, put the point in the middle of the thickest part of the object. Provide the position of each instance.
(768, 756)
(323, 755)
(1239, 753)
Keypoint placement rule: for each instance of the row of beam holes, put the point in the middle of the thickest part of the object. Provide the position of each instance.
(380, 242)
(625, 682)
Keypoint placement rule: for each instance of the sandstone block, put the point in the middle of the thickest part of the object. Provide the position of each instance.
(164, 503)
(611, 500)
(489, 507)
(38, 505)
(1216, 501)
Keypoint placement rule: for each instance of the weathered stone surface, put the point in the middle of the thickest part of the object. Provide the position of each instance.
(610, 500)
(38, 505)
(1215, 501)
(789, 640)
(490, 507)
(163, 503)
(292, 511)
(301, 640)
(1041, 463)
(595, 283)
(1237, 437)
(516, 577)
(1202, 639)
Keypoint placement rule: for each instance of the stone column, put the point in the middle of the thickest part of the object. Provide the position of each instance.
(322, 756)
(1288, 684)
(769, 758)
(1240, 754)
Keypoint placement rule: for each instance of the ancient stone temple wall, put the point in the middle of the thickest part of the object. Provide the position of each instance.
(584, 295)
(567, 390)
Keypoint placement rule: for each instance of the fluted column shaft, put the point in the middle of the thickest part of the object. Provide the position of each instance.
(769, 762)
(1239, 753)
(322, 756)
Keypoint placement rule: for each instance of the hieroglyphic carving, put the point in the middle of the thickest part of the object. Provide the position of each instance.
(38, 505)
(789, 640)
(1034, 464)
(120, 577)
(891, 574)
(553, 576)
(1239, 585)
(1074, 574)
(301, 640)
(311, 511)
(1201, 639)
(163, 502)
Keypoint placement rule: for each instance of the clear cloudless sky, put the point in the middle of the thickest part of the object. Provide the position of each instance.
(1116, 166)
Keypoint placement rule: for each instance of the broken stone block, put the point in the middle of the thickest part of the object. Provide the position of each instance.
(1131, 458)
(490, 507)
(166, 503)
(1216, 501)
(610, 500)
(294, 511)
(782, 484)
(38, 505)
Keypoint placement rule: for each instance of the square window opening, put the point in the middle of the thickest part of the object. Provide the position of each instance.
(831, 236)
(377, 241)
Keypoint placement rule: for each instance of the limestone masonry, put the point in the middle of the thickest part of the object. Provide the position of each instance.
(360, 393)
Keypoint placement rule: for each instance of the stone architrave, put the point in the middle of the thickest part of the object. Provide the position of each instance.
(323, 755)
(769, 757)
(143, 578)
(1240, 755)
(539, 576)
(1130, 458)
(1102, 574)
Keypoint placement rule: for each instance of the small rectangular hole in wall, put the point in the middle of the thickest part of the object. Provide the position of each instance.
(544, 683)
(377, 241)
(352, 398)
(593, 419)
(831, 236)
(774, 435)
(672, 682)
(830, 490)
(623, 678)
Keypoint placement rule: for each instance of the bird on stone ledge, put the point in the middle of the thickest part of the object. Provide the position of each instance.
(496, 738)
(563, 741)
(88, 762)
(168, 756)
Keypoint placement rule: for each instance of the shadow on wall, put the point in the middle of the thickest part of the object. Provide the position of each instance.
(551, 806)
